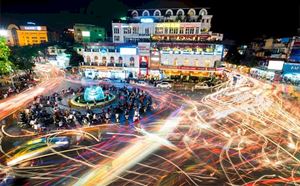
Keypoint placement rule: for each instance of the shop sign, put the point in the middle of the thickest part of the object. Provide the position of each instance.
(168, 25)
(188, 68)
(144, 49)
(144, 60)
(291, 68)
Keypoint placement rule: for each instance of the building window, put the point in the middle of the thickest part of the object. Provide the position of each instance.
(175, 30)
(104, 60)
(120, 60)
(147, 30)
(171, 31)
(135, 30)
(116, 38)
(157, 13)
(189, 30)
(166, 31)
(131, 59)
(181, 30)
(88, 59)
(125, 30)
(197, 30)
(96, 59)
(116, 30)
(159, 30)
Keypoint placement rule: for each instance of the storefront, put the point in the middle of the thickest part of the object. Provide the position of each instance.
(184, 73)
(103, 72)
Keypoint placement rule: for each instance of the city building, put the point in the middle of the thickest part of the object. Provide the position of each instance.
(157, 43)
(58, 57)
(175, 24)
(84, 33)
(110, 60)
(29, 34)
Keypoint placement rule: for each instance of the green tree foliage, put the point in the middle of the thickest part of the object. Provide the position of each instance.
(23, 57)
(75, 58)
(5, 65)
(249, 60)
(233, 56)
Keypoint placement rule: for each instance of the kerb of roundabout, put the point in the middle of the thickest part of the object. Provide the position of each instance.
(93, 97)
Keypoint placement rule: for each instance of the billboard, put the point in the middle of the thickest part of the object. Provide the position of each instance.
(275, 65)
(291, 68)
(85, 33)
(128, 51)
(144, 49)
(189, 60)
(144, 60)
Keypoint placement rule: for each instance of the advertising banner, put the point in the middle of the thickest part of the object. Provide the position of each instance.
(144, 49)
(290, 68)
(144, 60)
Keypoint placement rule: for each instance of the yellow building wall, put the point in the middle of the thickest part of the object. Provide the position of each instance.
(32, 37)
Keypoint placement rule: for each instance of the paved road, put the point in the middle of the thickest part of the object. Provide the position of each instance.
(243, 134)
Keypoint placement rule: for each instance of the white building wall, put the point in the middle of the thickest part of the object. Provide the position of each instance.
(108, 55)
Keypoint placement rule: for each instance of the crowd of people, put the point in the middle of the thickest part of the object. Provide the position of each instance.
(48, 112)
(15, 85)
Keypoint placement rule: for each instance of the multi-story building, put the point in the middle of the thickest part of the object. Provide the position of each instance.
(110, 60)
(173, 43)
(26, 34)
(176, 24)
(84, 33)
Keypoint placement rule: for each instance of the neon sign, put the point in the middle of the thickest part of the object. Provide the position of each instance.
(32, 28)
(147, 20)
(168, 25)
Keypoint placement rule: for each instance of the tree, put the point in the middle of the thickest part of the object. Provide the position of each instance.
(23, 57)
(249, 60)
(75, 58)
(233, 56)
(6, 66)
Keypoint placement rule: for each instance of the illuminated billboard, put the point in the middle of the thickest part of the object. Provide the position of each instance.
(275, 65)
(85, 33)
(144, 61)
(128, 51)
(147, 20)
(290, 68)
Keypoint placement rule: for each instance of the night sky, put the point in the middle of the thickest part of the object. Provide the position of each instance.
(238, 20)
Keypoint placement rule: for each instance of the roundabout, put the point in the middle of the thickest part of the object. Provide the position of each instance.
(93, 97)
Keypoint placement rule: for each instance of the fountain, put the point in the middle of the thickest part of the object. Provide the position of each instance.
(93, 96)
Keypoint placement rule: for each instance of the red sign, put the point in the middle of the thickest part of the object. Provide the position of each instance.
(144, 60)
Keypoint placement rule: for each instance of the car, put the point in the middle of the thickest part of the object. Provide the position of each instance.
(141, 83)
(201, 86)
(164, 85)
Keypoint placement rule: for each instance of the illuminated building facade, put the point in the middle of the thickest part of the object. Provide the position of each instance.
(27, 35)
(176, 24)
(84, 33)
(110, 60)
